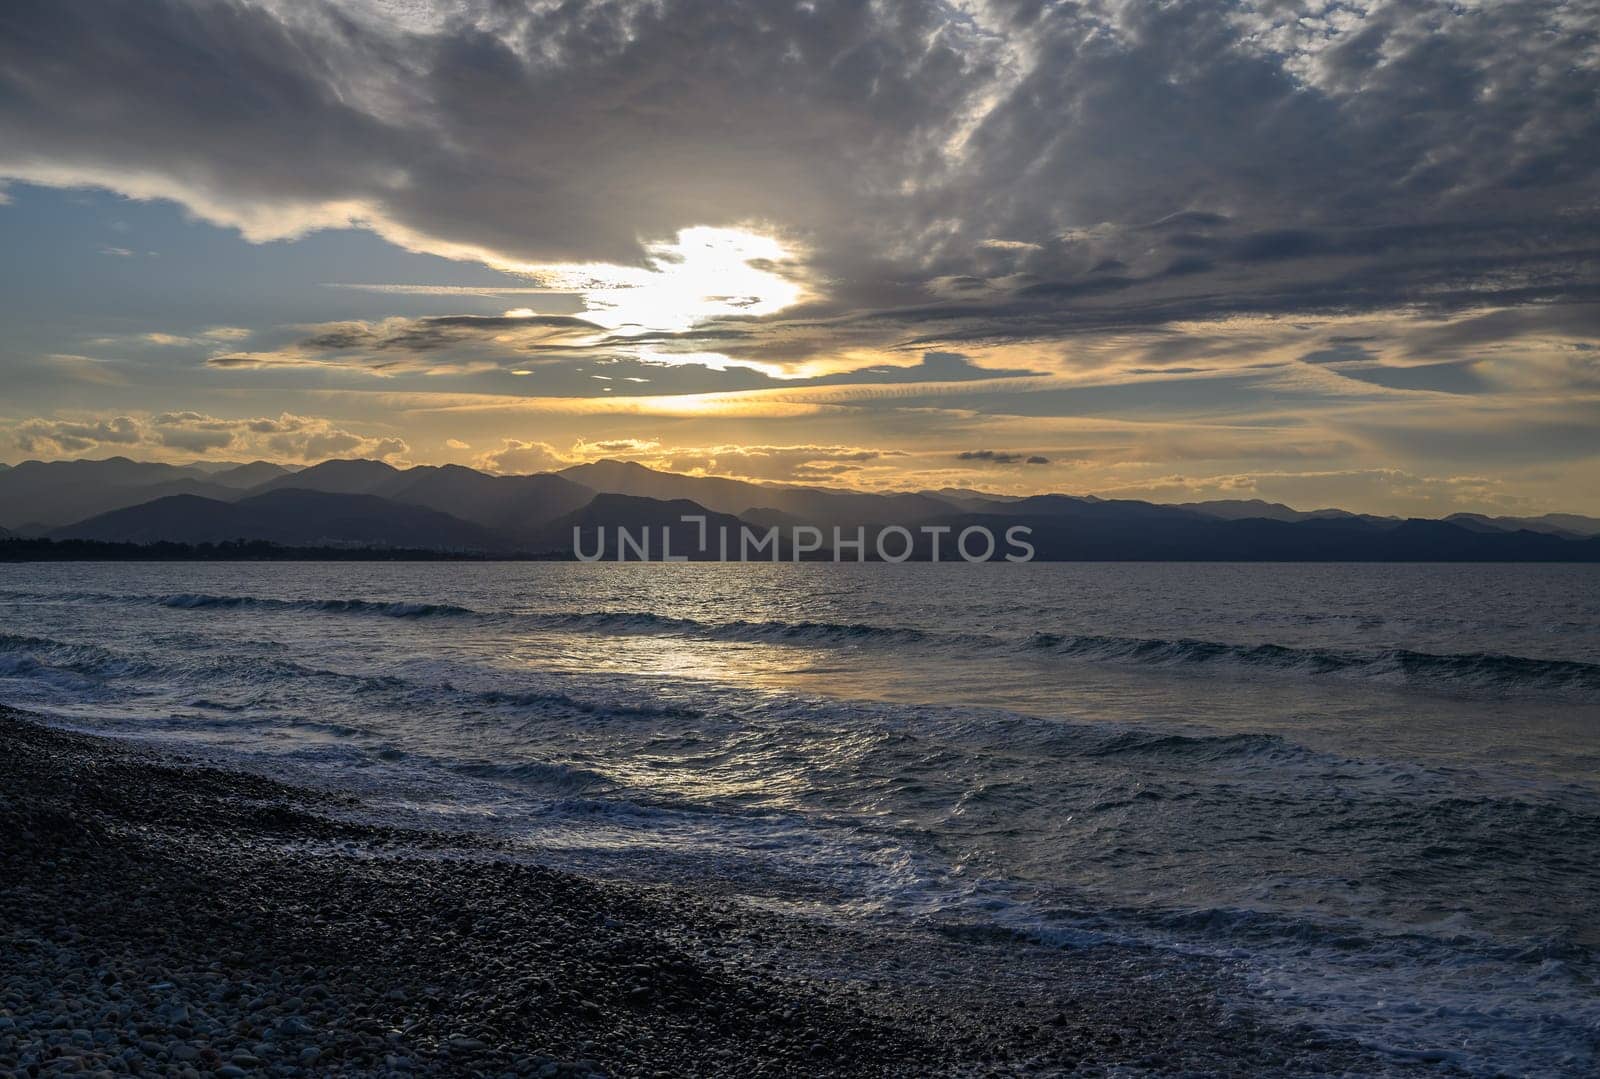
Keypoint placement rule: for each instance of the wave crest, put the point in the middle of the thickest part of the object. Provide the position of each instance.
(203, 601)
(1476, 670)
(1468, 671)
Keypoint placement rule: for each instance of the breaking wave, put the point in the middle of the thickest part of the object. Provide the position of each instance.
(1467, 671)
(23, 656)
(1135, 743)
(202, 601)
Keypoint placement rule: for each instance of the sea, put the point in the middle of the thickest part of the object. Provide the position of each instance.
(1370, 791)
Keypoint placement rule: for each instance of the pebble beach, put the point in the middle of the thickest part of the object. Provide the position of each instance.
(165, 915)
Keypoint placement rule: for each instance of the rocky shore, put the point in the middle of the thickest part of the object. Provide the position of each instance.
(162, 915)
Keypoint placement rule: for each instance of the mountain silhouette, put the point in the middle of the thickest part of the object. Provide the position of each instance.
(515, 506)
(452, 508)
(38, 495)
(288, 517)
(1571, 525)
(655, 529)
(815, 505)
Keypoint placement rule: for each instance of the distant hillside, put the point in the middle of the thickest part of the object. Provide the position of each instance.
(1234, 509)
(518, 507)
(1070, 507)
(1557, 524)
(48, 550)
(1239, 509)
(655, 526)
(340, 476)
(39, 495)
(451, 508)
(288, 517)
(515, 506)
(1164, 535)
(253, 474)
(817, 505)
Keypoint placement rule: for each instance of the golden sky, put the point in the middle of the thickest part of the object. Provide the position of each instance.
(1324, 258)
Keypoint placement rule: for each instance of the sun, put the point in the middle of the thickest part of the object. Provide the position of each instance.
(704, 273)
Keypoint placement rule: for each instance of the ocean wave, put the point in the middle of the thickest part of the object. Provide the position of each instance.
(554, 699)
(1477, 670)
(1473, 671)
(644, 622)
(1487, 1006)
(1265, 747)
(202, 601)
(1468, 670)
(1331, 937)
(23, 656)
(43, 658)
(564, 779)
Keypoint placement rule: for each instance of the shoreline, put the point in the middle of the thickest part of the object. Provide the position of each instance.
(164, 915)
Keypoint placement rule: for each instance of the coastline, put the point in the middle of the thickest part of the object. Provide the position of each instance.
(164, 915)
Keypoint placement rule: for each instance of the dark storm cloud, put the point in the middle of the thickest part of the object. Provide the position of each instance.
(429, 334)
(1354, 360)
(1573, 320)
(1001, 457)
(934, 367)
(1460, 378)
(1339, 352)
(531, 131)
(567, 356)
(1000, 171)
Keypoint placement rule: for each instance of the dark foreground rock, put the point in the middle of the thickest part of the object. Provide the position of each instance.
(162, 916)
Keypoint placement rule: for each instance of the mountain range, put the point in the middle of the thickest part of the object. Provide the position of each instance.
(449, 508)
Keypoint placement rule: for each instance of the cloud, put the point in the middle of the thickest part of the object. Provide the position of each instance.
(204, 337)
(284, 437)
(191, 431)
(41, 435)
(1363, 230)
(446, 344)
(616, 447)
(1142, 158)
(1390, 491)
(792, 463)
(73, 368)
(354, 136)
(438, 290)
(770, 463)
(1001, 457)
(313, 439)
(518, 457)
(569, 354)
(440, 332)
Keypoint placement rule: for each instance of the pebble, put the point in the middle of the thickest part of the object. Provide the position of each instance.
(227, 946)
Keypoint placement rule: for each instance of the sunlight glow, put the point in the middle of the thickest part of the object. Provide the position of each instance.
(705, 273)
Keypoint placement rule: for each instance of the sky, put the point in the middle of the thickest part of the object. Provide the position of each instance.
(1319, 253)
